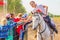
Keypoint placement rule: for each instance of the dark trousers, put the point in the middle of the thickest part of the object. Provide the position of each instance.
(15, 34)
(48, 20)
(2, 38)
(21, 36)
(27, 24)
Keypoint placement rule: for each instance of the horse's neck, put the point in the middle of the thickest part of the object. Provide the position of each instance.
(42, 23)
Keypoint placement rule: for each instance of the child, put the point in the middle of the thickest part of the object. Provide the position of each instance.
(19, 15)
(20, 29)
(27, 20)
(10, 32)
(4, 27)
(14, 19)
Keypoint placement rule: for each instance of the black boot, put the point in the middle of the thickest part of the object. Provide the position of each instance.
(56, 31)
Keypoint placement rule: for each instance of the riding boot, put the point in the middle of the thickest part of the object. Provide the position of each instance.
(56, 31)
(53, 27)
(48, 21)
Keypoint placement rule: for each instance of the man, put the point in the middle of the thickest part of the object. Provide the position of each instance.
(42, 9)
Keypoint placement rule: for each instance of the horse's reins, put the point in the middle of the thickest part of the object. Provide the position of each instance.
(43, 30)
(39, 27)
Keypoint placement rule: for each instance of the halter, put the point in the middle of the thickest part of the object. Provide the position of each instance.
(43, 30)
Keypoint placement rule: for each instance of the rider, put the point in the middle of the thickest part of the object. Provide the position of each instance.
(42, 9)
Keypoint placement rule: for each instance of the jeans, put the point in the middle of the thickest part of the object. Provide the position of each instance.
(48, 20)
(15, 34)
(21, 36)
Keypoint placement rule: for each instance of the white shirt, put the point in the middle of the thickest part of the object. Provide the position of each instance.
(40, 7)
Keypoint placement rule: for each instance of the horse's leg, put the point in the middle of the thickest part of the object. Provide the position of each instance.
(38, 36)
(46, 37)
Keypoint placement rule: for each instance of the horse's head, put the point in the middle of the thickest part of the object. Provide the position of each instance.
(36, 20)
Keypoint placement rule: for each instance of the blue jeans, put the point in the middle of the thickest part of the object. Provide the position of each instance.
(21, 36)
(48, 20)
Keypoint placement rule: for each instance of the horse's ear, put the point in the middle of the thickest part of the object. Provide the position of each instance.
(31, 12)
(35, 12)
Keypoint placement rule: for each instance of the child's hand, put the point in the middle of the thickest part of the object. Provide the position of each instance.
(24, 30)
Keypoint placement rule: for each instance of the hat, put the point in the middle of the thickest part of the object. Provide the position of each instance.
(8, 15)
(25, 15)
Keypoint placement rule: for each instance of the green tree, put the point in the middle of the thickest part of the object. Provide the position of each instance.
(15, 6)
(10, 6)
(50, 14)
(19, 7)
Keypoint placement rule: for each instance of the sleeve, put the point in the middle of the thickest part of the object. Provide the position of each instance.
(33, 11)
(37, 9)
(0, 27)
(12, 25)
(42, 8)
(19, 23)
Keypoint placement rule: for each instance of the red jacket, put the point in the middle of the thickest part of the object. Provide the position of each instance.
(16, 19)
(20, 27)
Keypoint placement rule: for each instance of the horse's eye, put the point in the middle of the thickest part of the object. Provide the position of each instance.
(36, 18)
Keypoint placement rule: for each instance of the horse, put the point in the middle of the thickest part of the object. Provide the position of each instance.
(43, 30)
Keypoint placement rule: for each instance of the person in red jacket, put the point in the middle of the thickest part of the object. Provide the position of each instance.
(20, 28)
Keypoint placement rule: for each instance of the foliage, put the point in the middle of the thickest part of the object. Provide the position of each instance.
(15, 6)
(51, 15)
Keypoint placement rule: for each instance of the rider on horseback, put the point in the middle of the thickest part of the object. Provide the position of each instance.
(42, 9)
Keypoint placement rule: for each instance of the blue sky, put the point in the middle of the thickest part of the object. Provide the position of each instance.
(53, 5)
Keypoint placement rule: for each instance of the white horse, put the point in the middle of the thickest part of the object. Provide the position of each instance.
(43, 32)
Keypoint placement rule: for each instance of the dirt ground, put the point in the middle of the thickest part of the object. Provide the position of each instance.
(31, 33)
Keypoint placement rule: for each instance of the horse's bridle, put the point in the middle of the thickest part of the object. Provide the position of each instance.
(39, 26)
(43, 30)
(39, 29)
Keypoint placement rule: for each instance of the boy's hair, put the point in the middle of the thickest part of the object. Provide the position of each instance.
(11, 14)
(3, 20)
(19, 14)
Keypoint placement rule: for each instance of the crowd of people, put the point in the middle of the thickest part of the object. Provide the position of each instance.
(13, 27)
